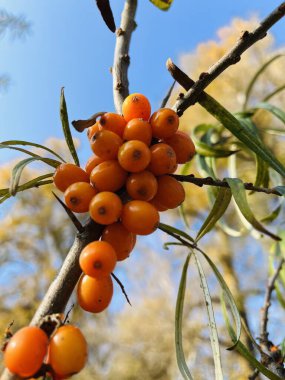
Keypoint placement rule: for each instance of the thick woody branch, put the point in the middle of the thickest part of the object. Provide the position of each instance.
(121, 55)
(233, 56)
(63, 285)
(208, 181)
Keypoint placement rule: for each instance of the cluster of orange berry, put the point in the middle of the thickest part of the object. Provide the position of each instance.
(63, 354)
(124, 186)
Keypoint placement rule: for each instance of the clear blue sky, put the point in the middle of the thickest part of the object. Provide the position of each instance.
(70, 46)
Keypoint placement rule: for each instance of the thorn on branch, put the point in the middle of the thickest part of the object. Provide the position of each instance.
(122, 287)
(120, 32)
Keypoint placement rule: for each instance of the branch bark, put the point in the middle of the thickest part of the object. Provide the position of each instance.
(190, 178)
(63, 285)
(233, 56)
(121, 55)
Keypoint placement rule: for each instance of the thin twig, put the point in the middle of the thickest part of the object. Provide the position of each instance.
(121, 55)
(264, 311)
(70, 214)
(169, 92)
(209, 181)
(233, 56)
(122, 287)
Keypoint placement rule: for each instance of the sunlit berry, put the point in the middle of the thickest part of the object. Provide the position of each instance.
(108, 176)
(25, 351)
(67, 351)
(94, 294)
(92, 162)
(78, 196)
(105, 144)
(136, 106)
(98, 259)
(163, 159)
(105, 207)
(113, 122)
(134, 156)
(138, 129)
(170, 192)
(140, 217)
(164, 123)
(67, 174)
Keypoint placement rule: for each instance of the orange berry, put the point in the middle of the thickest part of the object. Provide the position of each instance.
(170, 192)
(164, 123)
(92, 130)
(140, 217)
(108, 176)
(134, 156)
(105, 144)
(182, 145)
(113, 122)
(78, 196)
(142, 185)
(25, 351)
(136, 106)
(105, 207)
(94, 294)
(98, 259)
(67, 351)
(122, 240)
(163, 159)
(92, 163)
(67, 174)
(157, 205)
(138, 129)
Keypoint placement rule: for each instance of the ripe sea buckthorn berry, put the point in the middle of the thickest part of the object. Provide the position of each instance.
(170, 192)
(134, 156)
(105, 207)
(164, 123)
(138, 129)
(78, 196)
(67, 174)
(93, 129)
(122, 240)
(182, 145)
(113, 122)
(98, 259)
(163, 159)
(142, 186)
(94, 294)
(25, 351)
(67, 351)
(136, 106)
(92, 163)
(140, 217)
(108, 176)
(105, 144)
(157, 205)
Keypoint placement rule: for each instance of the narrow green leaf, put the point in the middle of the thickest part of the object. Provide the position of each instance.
(228, 296)
(244, 135)
(209, 151)
(180, 357)
(66, 129)
(168, 244)
(164, 5)
(166, 228)
(28, 143)
(212, 323)
(272, 109)
(17, 172)
(221, 203)
(241, 348)
(239, 194)
(273, 93)
(273, 215)
(49, 161)
(280, 189)
(256, 76)
(277, 284)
